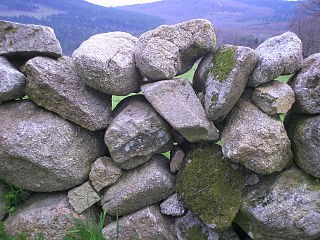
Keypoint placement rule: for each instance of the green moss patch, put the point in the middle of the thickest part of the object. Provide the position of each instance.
(195, 233)
(210, 187)
(223, 62)
(10, 28)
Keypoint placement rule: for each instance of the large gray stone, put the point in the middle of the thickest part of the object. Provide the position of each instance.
(28, 40)
(176, 101)
(41, 152)
(55, 85)
(3, 202)
(12, 82)
(222, 76)
(49, 214)
(173, 206)
(140, 188)
(306, 86)
(280, 55)
(168, 51)
(136, 133)
(255, 139)
(146, 224)
(273, 97)
(282, 207)
(106, 62)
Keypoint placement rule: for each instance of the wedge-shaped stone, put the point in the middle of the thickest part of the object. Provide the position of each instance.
(55, 85)
(283, 207)
(136, 133)
(168, 51)
(176, 101)
(28, 40)
(140, 188)
(173, 206)
(146, 224)
(41, 152)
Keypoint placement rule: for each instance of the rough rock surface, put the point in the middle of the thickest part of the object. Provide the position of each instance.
(104, 172)
(44, 213)
(168, 51)
(283, 207)
(41, 152)
(28, 40)
(3, 190)
(304, 132)
(140, 132)
(146, 224)
(140, 188)
(173, 206)
(55, 85)
(176, 101)
(211, 187)
(280, 55)
(273, 97)
(255, 139)
(306, 86)
(106, 62)
(177, 156)
(82, 197)
(12, 82)
(222, 76)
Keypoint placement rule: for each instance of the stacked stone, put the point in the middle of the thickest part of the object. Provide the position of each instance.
(67, 146)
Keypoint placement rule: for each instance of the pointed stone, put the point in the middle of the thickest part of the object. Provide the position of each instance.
(173, 206)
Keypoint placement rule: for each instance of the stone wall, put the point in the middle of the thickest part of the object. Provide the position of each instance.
(233, 162)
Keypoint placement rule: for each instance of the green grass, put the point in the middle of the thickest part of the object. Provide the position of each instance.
(284, 78)
(189, 75)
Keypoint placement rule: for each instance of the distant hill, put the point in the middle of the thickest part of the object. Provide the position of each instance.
(76, 20)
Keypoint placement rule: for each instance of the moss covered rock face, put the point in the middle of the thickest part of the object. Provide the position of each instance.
(210, 187)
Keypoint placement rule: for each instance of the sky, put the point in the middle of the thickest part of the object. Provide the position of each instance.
(115, 3)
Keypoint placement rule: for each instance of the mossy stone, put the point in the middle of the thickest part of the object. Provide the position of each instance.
(223, 62)
(195, 233)
(210, 187)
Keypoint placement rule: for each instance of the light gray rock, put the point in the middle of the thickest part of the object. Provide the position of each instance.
(140, 188)
(255, 139)
(306, 86)
(41, 152)
(282, 207)
(177, 156)
(173, 206)
(273, 97)
(28, 40)
(104, 172)
(44, 213)
(222, 76)
(12, 82)
(145, 224)
(82, 197)
(280, 55)
(168, 51)
(136, 133)
(106, 62)
(55, 85)
(176, 101)
(304, 133)
(3, 191)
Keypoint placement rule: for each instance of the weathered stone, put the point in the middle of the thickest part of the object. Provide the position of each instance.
(255, 139)
(252, 178)
(41, 152)
(12, 82)
(222, 76)
(273, 97)
(43, 213)
(3, 191)
(177, 156)
(146, 224)
(83, 197)
(104, 172)
(28, 40)
(304, 132)
(283, 207)
(136, 133)
(176, 101)
(173, 206)
(168, 51)
(306, 86)
(106, 62)
(54, 85)
(140, 188)
(210, 187)
(280, 55)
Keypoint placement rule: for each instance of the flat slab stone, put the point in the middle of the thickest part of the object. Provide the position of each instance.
(176, 101)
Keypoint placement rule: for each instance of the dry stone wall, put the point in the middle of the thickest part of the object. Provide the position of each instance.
(234, 164)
